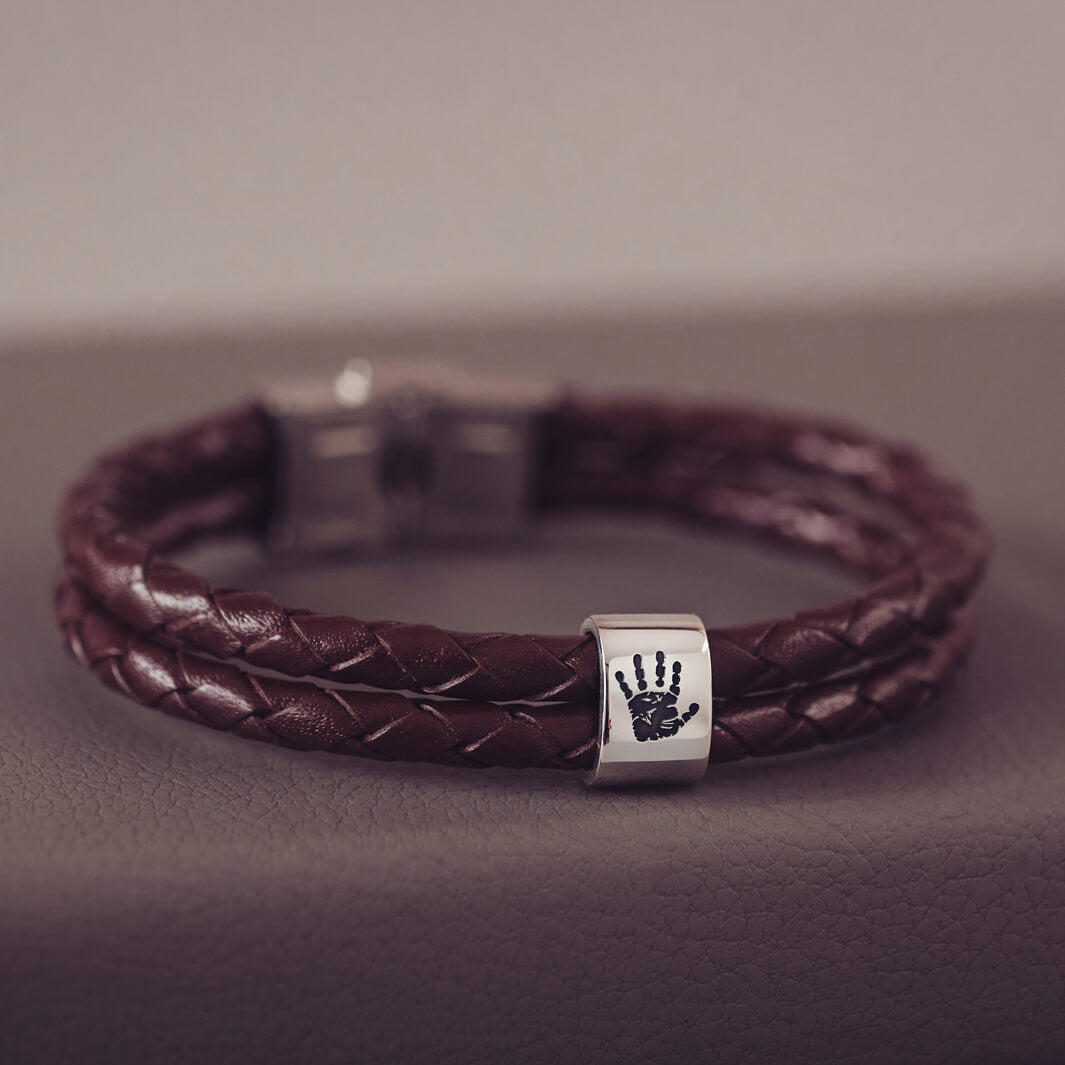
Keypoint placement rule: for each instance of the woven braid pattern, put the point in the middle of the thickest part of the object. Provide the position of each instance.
(383, 725)
(146, 499)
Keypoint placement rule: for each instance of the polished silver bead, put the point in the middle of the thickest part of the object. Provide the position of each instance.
(655, 701)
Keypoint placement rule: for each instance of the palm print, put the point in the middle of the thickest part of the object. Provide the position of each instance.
(654, 711)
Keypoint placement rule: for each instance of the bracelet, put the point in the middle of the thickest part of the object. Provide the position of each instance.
(378, 459)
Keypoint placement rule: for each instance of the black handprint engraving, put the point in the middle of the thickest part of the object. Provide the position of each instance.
(654, 712)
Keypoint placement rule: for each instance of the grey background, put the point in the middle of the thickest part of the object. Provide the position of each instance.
(252, 161)
(170, 894)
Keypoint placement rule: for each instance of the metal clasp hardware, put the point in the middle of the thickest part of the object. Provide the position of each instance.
(400, 454)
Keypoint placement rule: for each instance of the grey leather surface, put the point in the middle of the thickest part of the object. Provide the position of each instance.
(168, 894)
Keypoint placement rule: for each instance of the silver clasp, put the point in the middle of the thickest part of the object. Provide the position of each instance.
(402, 453)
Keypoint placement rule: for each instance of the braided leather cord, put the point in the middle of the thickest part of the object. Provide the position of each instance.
(701, 464)
(384, 725)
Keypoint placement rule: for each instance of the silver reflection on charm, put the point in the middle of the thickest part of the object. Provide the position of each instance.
(655, 704)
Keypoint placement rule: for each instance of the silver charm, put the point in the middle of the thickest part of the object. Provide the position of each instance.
(655, 703)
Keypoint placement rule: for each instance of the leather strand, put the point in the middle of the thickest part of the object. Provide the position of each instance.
(113, 539)
(384, 725)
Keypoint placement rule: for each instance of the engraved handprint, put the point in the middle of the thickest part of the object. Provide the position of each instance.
(654, 710)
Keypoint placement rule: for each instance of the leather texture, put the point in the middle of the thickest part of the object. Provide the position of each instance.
(832, 673)
(167, 896)
(477, 735)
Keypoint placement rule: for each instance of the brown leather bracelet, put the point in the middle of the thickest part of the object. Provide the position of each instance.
(155, 631)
